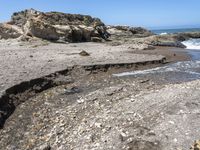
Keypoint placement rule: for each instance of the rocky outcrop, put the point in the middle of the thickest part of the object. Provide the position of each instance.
(164, 40)
(69, 33)
(40, 29)
(9, 31)
(186, 36)
(142, 39)
(62, 27)
(172, 40)
(20, 18)
(58, 27)
(54, 18)
(129, 31)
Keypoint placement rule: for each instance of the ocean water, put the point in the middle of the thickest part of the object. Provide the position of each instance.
(176, 72)
(168, 31)
(192, 44)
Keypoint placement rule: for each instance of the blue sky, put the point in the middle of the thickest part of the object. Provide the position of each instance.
(147, 13)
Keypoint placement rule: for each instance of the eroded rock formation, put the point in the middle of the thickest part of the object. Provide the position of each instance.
(54, 26)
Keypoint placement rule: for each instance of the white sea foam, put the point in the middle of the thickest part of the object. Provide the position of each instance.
(185, 66)
(164, 33)
(192, 44)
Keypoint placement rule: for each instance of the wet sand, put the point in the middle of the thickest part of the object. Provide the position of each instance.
(172, 54)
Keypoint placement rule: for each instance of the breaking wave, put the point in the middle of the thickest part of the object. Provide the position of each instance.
(164, 33)
(192, 44)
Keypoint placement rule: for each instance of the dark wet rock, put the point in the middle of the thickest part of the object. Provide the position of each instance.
(186, 35)
(172, 40)
(169, 44)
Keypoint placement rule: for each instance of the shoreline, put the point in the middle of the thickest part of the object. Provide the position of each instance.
(172, 54)
(97, 61)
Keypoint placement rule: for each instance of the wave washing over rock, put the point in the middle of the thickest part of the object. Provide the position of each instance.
(192, 44)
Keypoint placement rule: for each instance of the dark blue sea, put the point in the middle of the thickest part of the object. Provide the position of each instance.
(168, 31)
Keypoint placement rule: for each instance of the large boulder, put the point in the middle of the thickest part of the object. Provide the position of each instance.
(37, 28)
(172, 40)
(63, 33)
(9, 31)
(165, 40)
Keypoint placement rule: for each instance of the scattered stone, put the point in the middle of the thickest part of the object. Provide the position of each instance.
(84, 53)
(73, 90)
(81, 100)
(43, 147)
(144, 81)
